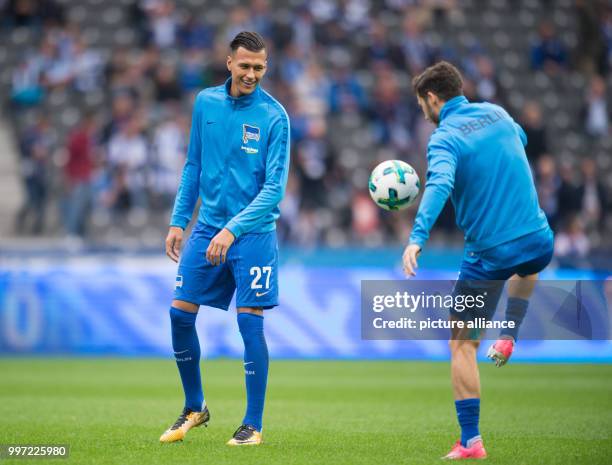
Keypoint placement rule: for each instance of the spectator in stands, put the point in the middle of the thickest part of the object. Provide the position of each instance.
(51, 12)
(191, 71)
(309, 230)
(64, 39)
(162, 24)
(548, 183)
(364, 214)
(217, 69)
(147, 64)
(593, 196)
(122, 109)
(167, 88)
(548, 53)
(31, 13)
(417, 49)
(168, 156)
(78, 175)
(21, 13)
(488, 87)
(335, 38)
(591, 40)
(87, 68)
(441, 10)
(388, 112)
(116, 197)
(606, 27)
(27, 89)
(380, 48)
(572, 242)
(352, 15)
(346, 95)
(193, 34)
(117, 65)
(238, 20)
(57, 68)
(294, 64)
(569, 195)
(261, 18)
(303, 30)
(311, 90)
(596, 112)
(128, 156)
(469, 89)
(312, 162)
(290, 209)
(533, 124)
(37, 145)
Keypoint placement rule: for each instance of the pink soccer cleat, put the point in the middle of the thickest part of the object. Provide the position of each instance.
(475, 451)
(501, 351)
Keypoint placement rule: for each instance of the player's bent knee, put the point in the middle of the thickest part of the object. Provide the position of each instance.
(253, 310)
(185, 306)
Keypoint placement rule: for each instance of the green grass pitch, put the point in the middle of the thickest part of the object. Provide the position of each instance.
(112, 411)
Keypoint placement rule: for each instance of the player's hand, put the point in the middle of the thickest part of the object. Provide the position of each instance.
(218, 247)
(174, 240)
(411, 253)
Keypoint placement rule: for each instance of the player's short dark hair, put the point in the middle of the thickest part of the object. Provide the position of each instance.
(251, 41)
(441, 79)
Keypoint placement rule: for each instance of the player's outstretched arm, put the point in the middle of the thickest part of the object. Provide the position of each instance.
(442, 163)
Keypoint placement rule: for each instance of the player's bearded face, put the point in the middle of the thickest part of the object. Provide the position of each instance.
(428, 110)
(247, 68)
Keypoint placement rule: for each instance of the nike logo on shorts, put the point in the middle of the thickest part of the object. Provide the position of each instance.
(259, 294)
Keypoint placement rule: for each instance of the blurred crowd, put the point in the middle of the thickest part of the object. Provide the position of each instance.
(332, 64)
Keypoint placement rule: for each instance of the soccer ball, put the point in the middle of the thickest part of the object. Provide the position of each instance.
(394, 185)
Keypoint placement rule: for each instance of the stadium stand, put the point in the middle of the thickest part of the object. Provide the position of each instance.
(343, 71)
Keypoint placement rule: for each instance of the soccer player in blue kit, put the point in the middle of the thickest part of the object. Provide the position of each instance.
(477, 157)
(237, 163)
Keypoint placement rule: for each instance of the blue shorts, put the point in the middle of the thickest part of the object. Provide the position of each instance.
(251, 268)
(476, 278)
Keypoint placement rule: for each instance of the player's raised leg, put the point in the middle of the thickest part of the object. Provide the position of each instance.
(251, 325)
(520, 289)
(186, 348)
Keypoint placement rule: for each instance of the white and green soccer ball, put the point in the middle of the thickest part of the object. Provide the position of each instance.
(394, 185)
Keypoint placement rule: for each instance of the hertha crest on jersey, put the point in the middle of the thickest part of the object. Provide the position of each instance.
(249, 133)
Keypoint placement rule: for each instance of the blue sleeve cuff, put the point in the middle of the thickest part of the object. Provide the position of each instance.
(418, 241)
(234, 228)
(179, 223)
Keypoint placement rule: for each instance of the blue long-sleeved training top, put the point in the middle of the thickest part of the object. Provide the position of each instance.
(477, 156)
(237, 161)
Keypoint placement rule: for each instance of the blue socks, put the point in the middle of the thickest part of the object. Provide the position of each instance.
(255, 366)
(468, 412)
(516, 310)
(187, 353)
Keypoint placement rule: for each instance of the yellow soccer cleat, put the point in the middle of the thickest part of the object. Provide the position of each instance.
(246, 435)
(187, 420)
